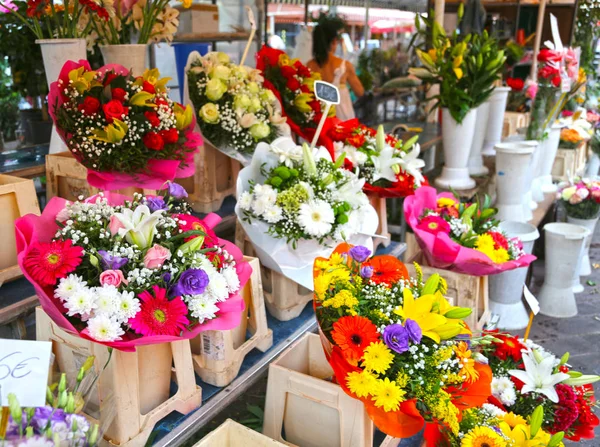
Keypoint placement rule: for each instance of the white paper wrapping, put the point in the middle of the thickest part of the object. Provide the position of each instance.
(277, 254)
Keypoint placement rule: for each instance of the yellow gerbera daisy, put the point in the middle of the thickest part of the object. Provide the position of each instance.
(377, 357)
(514, 419)
(388, 395)
(361, 383)
(482, 437)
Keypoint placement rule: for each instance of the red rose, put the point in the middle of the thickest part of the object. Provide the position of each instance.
(113, 109)
(546, 72)
(267, 57)
(304, 88)
(170, 136)
(298, 64)
(109, 78)
(89, 106)
(315, 105)
(287, 71)
(161, 102)
(153, 141)
(293, 84)
(547, 55)
(147, 87)
(304, 71)
(118, 94)
(556, 81)
(152, 118)
(516, 84)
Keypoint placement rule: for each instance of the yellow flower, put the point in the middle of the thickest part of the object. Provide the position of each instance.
(388, 395)
(402, 379)
(581, 76)
(458, 60)
(361, 383)
(142, 98)
(183, 116)
(442, 408)
(187, 3)
(500, 256)
(113, 133)
(446, 202)
(152, 77)
(342, 298)
(301, 102)
(484, 241)
(284, 59)
(514, 419)
(322, 283)
(209, 113)
(420, 310)
(81, 79)
(331, 112)
(310, 81)
(482, 437)
(377, 357)
(467, 364)
(432, 54)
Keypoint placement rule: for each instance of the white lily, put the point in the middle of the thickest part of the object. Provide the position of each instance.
(538, 376)
(139, 225)
(384, 164)
(412, 164)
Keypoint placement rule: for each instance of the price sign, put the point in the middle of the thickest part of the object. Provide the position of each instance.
(24, 367)
(327, 92)
(534, 304)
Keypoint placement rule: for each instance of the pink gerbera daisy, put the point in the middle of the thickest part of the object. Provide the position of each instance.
(434, 225)
(159, 315)
(48, 262)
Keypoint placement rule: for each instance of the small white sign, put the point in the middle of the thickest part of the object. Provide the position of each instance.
(534, 304)
(24, 367)
(327, 92)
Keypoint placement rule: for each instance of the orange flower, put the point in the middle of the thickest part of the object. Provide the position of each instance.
(463, 354)
(353, 335)
(570, 135)
(387, 269)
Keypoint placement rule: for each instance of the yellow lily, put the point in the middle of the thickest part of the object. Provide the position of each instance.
(81, 79)
(301, 102)
(458, 60)
(152, 77)
(433, 54)
(113, 133)
(142, 98)
(183, 116)
(420, 310)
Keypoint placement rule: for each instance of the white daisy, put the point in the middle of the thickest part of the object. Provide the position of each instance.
(233, 281)
(103, 328)
(80, 302)
(245, 201)
(316, 217)
(260, 205)
(508, 396)
(266, 193)
(128, 307)
(107, 300)
(68, 286)
(202, 307)
(217, 287)
(273, 214)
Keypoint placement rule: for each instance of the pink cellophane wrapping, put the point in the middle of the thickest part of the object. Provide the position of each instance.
(441, 251)
(158, 171)
(31, 228)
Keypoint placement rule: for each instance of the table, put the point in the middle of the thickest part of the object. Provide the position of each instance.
(25, 162)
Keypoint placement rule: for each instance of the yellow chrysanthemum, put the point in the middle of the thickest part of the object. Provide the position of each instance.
(322, 283)
(377, 357)
(361, 383)
(284, 59)
(388, 394)
(482, 437)
(514, 419)
(500, 256)
(484, 242)
(467, 364)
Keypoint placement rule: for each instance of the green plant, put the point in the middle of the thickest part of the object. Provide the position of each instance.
(587, 33)
(484, 66)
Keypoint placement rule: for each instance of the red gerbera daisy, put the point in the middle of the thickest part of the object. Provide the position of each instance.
(387, 269)
(158, 315)
(509, 347)
(193, 223)
(353, 335)
(48, 262)
(499, 240)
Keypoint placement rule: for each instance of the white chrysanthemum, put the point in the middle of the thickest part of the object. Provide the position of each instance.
(69, 285)
(81, 302)
(266, 193)
(499, 384)
(273, 214)
(260, 205)
(245, 201)
(508, 396)
(107, 300)
(217, 287)
(316, 217)
(233, 281)
(103, 328)
(493, 410)
(202, 307)
(129, 306)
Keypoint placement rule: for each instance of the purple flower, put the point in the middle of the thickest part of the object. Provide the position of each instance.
(395, 336)
(414, 330)
(177, 191)
(156, 203)
(360, 253)
(366, 271)
(43, 417)
(166, 277)
(110, 262)
(191, 282)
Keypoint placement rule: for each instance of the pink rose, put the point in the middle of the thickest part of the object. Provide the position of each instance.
(156, 257)
(112, 278)
(531, 91)
(114, 225)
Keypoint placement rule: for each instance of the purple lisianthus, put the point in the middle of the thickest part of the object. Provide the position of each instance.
(366, 271)
(191, 282)
(177, 191)
(110, 262)
(395, 336)
(156, 203)
(166, 277)
(415, 334)
(44, 416)
(360, 253)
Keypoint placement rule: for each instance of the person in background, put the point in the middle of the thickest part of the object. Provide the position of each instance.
(333, 69)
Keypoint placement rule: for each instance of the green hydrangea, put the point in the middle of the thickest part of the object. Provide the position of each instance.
(291, 199)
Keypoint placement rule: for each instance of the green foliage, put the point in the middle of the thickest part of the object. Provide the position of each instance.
(484, 66)
(587, 33)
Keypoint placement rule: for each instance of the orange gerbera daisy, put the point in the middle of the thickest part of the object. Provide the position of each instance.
(387, 269)
(353, 335)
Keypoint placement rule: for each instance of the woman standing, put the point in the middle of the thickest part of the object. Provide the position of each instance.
(333, 69)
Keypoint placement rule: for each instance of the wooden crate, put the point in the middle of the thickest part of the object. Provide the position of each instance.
(133, 392)
(311, 410)
(218, 355)
(569, 162)
(214, 180)
(232, 434)
(380, 206)
(514, 121)
(17, 198)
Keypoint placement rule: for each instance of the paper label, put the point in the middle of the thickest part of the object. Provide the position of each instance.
(251, 17)
(532, 301)
(213, 345)
(24, 367)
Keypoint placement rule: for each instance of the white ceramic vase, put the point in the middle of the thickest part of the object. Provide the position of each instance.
(130, 56)
(512, 165)
(549, 150)
(495, 123)
(593, 165)
(564, 244)
(528, 201)
(55, 53)
(586, 267)
(475, 165)
(506, 288)
(457, 140)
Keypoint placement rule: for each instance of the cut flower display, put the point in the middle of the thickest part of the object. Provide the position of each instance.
(125, 272)
(580, 198)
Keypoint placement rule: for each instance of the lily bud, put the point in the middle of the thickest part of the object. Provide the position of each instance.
(309, 160)
(556, 439)
(70, 407)
(410, 142)
(431, 284)
(93, 435)
(458, 313)
(15, 409)
(340, 161)
(380, 139)
(536, 420)
(62, 384)
(29, 432)
(62, 400)
(564, 359)
(192, 245)
(584, 379)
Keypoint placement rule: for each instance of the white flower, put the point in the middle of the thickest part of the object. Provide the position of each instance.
(139, 225)
(412, 164)
(508, 396)
(129, 306)
(384, 163)
(260, 205)
(499, 384)
(202, 307)
(248, 120)
(265, 192)
(36, 441)
(103, 328)
(538, 377)
(316, 217)
(80, 302)
(232, 279)
(245, 201)
(107, 300)
(287, 151)
(64, 214)
(273, 214)
(217, 287)
(493, 410)
(68, 286)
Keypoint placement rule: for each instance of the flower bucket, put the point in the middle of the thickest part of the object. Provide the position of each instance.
(512, 162)
(590, 224)
(130, 56)
(476, 166)
(549, 151)
(493, 134)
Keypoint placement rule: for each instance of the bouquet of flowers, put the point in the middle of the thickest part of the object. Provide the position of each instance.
(390, 167)
(395, 343)
(125, 130)
(526, 376)
(464, 238)
(293, 84)
(570, 138)
(236, 112)
(294, 202)
(518, 100)
(125, 272)
(580, 197)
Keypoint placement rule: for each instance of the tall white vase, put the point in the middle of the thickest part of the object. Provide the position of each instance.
(586, 267)
(55, 53)
(506, 289)
(564, 248)
(593, 165)
(512, 166)
(476, 166)
(549, 150)
(495, 124)
(130, 56)
(457, 140)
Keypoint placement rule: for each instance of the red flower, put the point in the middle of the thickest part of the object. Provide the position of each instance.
(159, 315)
(193, 223)
(304, 88)
(315, 105)
(288, 72)
(109, 78)
(153, 141)
(46, 263)
(548, 72)
(387, 269)
(152, 118)
(113, 109)
(356, 140)
(293, 84)
(566, 411)
(556, 81)
(516, 84)
(434, 225)
(147, 87)
(353, 335)
(161, 102)
(499, 240)
(35, 8)
(304, 71)
(118, 94)
(344, 129)
(89, 106)
(508, 347)
(170, 136)
(548, 55)
(267, 56)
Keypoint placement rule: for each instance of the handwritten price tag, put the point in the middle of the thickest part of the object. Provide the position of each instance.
(24, 367)
(534, 304)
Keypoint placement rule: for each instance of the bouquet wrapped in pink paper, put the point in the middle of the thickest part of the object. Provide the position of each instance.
(463, 238)
(125, 130)
(126, 272)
